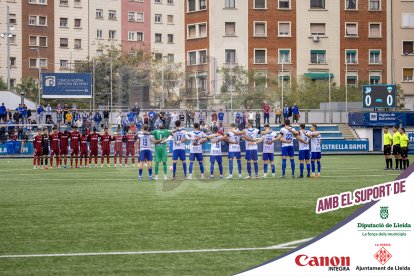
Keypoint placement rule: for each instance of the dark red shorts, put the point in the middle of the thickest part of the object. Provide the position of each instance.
(55, 151)
(63, 151)
(105, 152)
(94, 152)
(74, 151)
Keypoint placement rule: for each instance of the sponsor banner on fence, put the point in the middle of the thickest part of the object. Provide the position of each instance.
(12, 147)
(379, 119)
(66, 85)
(377, 239)
(345, 145)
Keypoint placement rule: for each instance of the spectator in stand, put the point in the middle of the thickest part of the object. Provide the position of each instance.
(65, 111)
(182, 118)
(286, 112)
(25, 114)
(19, 111)
(168, 116)
(278, 115)
(213, 125)
(192, 116)
(40, 111)
(3, 113)
(251, 117)
(146, 118)
(106, 117)
(214, 116)
(136, 109)
(221, 129)
(258, 116)
(243, 120)
(158, 122)
(77, 117)
(174, 117)
(119, 120)
(188, 117)
(295, 113)
(237, 119)
(97, 118)
(9, 115)
(48, 112)
(59, 115)
(220, 116)
(266, 113)
(131, 117)
(151, 117)
(68, 119)
(163, 117)
(16, 117)
(139, 124)
(201, 117)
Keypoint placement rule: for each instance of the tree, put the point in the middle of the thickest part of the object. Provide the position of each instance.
(3, 85)
(29, 86)
(400, 97)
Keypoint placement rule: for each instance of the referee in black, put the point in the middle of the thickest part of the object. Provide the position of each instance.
(387, 149)
(45, 148)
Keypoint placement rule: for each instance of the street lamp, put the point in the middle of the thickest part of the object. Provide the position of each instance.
(7, 35)
(40, 73)
(22, 93)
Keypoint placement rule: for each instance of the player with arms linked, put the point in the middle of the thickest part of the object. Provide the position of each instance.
(316, 149)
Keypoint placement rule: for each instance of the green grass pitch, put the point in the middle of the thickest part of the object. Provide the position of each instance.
(108, 210)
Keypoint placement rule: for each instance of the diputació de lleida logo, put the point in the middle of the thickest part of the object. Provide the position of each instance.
(384, 212)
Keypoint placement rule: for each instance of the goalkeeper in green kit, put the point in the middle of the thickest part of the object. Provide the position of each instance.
(161, 136)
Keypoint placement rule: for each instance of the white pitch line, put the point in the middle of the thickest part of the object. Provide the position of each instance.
(287, 245)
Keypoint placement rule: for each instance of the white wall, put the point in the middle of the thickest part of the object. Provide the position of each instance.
(11, 100)
(366, 133)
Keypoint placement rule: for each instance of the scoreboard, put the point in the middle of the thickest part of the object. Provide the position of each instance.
(379, 96)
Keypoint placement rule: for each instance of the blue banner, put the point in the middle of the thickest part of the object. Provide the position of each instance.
(345, 146)
(15, 147)
(66, 85)
(380, 119)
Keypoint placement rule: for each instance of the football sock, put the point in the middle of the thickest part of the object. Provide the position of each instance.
(201, 166)
(401, 163)
(319, 166)
(273, 168)
(301, 167)
(156, 168)
(387, 163)
(313, 166)
(221, 168)
(391, 166)
(256, 168)
(140, 172)
(174, 169)
(185, 168)
(283, 166)
(165, 167)
(150, 172)
(396, 163)
(230, 166)
(190, 168)
(308, 167)
(211, 168)
(265, 168)
(239, 166)
(249, 169)
(292, 165)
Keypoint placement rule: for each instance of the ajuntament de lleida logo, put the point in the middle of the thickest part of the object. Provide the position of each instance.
(384, 212)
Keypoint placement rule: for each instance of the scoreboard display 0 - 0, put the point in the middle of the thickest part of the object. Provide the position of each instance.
(379, 96)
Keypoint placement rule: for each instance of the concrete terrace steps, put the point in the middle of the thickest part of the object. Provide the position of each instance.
(347, 132)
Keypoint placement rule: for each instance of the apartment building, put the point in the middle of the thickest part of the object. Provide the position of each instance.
(135, 25)
(71, 35)
(403, 47)
(14, 36)
(38, 37)
(104, 25)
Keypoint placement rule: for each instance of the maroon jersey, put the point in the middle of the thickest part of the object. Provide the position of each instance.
(54, 141)
(64, 140)
(38, 143)
(13, 137)
(105, 141)
(93, 141)
(84, 143)
(130, 141)
(74, 139)
(118, 142)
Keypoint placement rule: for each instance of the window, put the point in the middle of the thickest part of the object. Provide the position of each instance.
(140, 36)
(350, 4)
(99, 33)
(170, 19)
(64, 64)
(32, 40)
(131, 16)
(260, 78)
(260, 29)
(42, 2)
(12, 18)
(260, 56)
(139, 16)
(351, 56)
(229, 4)
(202, 28)
(158, 38)
(78, 44)
(33, 63)
(63, 3)
(158, 56)
(192, 31)
(43, 63)
(284, 4)
(42, 41)
(191, 5)
(352, 79)
(408, 74)
(284, 78)
(203, 4)
(374, 56)
(170, 38)
(32, 1)
(230, 56)
(407, 20)
(12, 39)
(63, 22)
(99, 13)
(131, 36)
(32, 20)
(374, 79)
(318, 56)
(203, 56)
(112, 34)
(77, 23)
(12, 83)
(317, 4)
(12, 61)
(284, 29)
(135, 36)
(37, 20)
(284, 56)
(374, 5)
(192, 58)
(63, 43)
(170, 58)
(42, 21)
(260, 4)
(157, 2)
(112, 15)
(408, 47)
(351, 29)
(77, 3)
(318, 29)
(230, 28)
(170, 2)
(158, 18)
(375, 30)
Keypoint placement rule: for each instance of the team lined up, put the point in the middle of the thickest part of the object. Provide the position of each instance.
(397, 145)
(309, 149)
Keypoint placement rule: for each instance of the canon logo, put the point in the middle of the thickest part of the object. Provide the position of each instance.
(303, 260)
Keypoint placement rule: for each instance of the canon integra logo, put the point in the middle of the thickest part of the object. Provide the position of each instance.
(304, 260)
